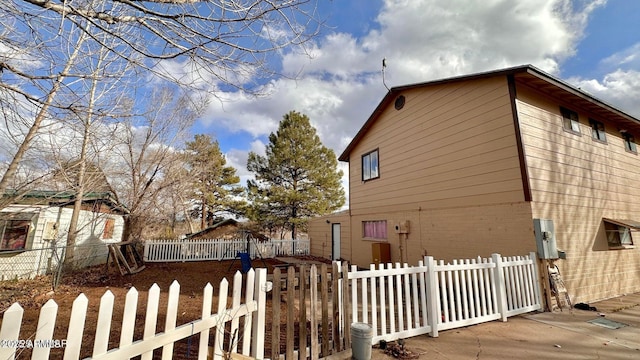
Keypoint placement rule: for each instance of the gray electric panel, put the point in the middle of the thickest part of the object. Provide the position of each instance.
(545, 239)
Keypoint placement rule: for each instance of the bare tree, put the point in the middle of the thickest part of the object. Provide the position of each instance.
(147, 154)
(201, 44)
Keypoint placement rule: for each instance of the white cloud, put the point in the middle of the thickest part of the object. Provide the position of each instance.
(621, 88)
(340, 84)
(627, 58)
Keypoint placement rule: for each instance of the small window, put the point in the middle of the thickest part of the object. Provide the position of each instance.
(597, 131)
(370, 166)
(629, 143)
(618, 234)
(374, 229)
(570, 120)
(107, 233)
(14, 234)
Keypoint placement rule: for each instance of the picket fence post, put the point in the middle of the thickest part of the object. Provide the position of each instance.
(501, 291)
(258, 326)
(13, 315)
(433, 315)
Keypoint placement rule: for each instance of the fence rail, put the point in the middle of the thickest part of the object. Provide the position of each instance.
(31, 262)
(251, 329)
(404, 301)
(398, 301)
(220, 249)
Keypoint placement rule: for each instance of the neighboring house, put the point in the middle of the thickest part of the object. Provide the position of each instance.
(34, 229)
(228, 229)
(461, 167)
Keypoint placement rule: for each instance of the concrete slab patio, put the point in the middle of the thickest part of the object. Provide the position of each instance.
(551, 335)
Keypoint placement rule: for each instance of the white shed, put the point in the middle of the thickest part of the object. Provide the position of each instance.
(33, 236)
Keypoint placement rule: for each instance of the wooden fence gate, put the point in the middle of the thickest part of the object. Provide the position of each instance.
(398, 301)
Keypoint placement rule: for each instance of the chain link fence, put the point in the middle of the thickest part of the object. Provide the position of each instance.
(29, 263)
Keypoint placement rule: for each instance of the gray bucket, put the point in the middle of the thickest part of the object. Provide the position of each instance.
(361, 335)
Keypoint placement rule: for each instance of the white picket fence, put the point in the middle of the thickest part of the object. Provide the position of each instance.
(403, 301)
(251, 330)
(220, 249)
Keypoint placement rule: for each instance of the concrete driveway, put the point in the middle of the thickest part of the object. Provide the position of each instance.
(551, 335)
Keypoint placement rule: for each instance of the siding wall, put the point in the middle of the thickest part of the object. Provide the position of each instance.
(577, 181)
(38, 258)
(449, 164)
(451, 145)
(451, 233)
(320, 236)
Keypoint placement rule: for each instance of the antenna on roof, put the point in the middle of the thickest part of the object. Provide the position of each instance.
(384, 65)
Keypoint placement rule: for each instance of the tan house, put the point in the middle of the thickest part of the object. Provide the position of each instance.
(469, 166)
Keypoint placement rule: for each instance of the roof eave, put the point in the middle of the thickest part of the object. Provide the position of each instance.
(398, 89)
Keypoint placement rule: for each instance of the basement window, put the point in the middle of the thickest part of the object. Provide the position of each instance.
(619, 233)
(370, 166)
(570, 121)
(597, 131)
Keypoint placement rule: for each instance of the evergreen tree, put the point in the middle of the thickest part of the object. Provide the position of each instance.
(297, 179)
(217, 187)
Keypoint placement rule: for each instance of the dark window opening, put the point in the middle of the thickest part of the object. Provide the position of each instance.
(570, 120)
(629, 143)
(14, 234)
(597, 131)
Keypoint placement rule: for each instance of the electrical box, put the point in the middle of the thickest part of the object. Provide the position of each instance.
(381, 253)
(50, 231)
(545, 239)
(402, 227)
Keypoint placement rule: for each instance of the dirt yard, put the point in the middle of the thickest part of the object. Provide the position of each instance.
(94, 282)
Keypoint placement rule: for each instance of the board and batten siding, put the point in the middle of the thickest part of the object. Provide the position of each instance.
(576, 181)
(449, 164)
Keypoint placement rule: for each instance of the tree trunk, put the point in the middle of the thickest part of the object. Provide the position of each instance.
(12, 169)
(72, 237)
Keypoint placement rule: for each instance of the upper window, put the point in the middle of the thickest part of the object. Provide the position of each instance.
(570, 120)
(597, 131)
(629, 143)
(370, 166)
(14, 234)
(619, 232)
(374, 229)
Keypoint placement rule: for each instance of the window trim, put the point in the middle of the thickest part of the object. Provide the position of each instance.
(566, 115)
(362, 163)
(619, 228)
(629, 142)
(374, 238)
(3, 229)
(596, 132)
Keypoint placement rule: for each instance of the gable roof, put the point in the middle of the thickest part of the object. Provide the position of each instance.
(64, 198)
(527, 75)
(232, 222)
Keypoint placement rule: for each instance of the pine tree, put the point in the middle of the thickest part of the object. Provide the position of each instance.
(217, 187)
(296, 180)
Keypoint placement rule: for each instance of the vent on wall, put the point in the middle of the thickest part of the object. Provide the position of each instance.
(399, 104)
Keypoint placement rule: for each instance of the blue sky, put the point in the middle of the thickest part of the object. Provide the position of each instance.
(593, 44)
